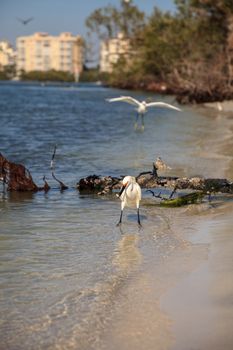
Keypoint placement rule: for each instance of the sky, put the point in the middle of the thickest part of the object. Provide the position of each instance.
(56, 16)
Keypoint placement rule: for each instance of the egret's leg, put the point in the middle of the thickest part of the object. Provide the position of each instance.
(139, 222)
(119, 223)
(143, 125)
(136, 122)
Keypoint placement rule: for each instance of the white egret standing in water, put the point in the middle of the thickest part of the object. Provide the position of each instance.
(141, 106)
(130, 195)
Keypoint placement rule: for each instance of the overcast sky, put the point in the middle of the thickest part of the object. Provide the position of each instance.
(56, 16)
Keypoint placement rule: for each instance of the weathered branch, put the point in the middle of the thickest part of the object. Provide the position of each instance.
(46, 185)
(62, 185)
(52, 166)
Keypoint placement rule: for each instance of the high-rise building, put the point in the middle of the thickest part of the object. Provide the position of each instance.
(7, 54)
(43, 52)
(112, 50)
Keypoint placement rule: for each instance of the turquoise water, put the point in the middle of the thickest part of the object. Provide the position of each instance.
(63, 261)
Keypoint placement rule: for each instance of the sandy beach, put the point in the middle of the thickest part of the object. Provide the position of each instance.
(200, 305)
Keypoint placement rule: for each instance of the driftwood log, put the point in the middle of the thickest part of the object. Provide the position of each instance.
(148, 180)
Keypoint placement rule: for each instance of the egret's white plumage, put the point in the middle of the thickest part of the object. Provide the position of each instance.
(142, 106)
(130, 195)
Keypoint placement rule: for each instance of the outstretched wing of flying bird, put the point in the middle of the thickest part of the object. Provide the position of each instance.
(162, 104)
(127, 99)
(25, 21)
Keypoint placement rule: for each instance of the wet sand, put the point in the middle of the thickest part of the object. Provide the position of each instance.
(200, 305)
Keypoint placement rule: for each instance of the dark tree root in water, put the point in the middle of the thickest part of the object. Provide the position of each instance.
(16, 176)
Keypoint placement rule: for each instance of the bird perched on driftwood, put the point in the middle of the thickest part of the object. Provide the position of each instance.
(161, 165)
(130, 195)
(25, 21)
(141, 107)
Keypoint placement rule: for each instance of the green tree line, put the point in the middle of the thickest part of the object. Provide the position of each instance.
(188, 52)
(50, 75)
(7, 72)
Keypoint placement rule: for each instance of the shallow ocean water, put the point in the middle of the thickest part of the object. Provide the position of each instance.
(66, 270)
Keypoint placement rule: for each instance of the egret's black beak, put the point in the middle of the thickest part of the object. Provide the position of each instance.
(121, 191)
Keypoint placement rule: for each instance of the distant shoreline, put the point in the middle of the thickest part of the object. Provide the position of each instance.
(224, 105)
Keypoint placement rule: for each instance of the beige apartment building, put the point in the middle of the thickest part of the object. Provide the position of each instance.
(43, 52)
(111, 50)
(7, 54)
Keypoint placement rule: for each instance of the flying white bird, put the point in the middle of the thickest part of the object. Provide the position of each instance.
(141, 106)
(130, 195)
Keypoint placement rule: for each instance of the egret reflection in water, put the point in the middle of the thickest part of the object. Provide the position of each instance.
(127, 254)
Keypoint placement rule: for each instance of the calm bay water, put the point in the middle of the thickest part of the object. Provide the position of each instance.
(63, 262)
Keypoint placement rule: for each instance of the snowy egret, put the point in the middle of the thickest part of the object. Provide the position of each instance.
(141, 106)
(130, 195)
